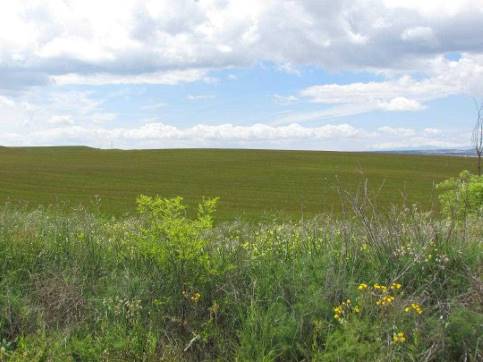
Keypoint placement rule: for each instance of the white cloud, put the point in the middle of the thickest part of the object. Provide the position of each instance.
(61, 44)
(399, 104)
(200, 97)
(284, 100)
(292, 136)
(102, 117)
(401, 132)
(445, 78)
(40, 109)
(418, 33)
(163, 134)
(92, 42)
(168, 78)
(4, 101)
(462, 76)
(61, 120)
(160, 131)
(432, 131)
(288, 68)
(404, 90)
(390, 138)
(343, 110)
(403, 94)
(435, 8)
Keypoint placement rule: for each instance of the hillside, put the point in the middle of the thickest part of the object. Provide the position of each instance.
(250, 183)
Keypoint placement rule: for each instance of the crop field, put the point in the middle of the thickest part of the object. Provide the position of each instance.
(250, 183)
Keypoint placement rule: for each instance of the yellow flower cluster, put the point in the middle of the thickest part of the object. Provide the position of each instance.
(414, 307)
(341, 309)
(382, 291)
(383, 288)
(385, 300)
(194, 297)
(380, 287)
(338, 312)
(362, 286)
(399, 337)
(344, 309)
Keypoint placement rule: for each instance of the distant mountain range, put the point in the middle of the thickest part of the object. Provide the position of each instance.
(407, 151)
(430, 151)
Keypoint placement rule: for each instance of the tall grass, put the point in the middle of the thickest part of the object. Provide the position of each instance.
(375, 285)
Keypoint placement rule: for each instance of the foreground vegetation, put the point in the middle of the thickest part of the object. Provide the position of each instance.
(250, 183)
(377, 285)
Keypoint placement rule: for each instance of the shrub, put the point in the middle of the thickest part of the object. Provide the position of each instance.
(175, 241)
(462, 196)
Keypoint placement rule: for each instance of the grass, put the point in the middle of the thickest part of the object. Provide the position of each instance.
(165, 282)
(250, 183)
(380, 285)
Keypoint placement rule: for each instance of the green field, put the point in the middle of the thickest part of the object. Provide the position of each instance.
(249, 183)
(162, 284)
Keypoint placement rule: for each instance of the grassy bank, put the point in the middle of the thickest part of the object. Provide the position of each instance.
(381, 285)
(250, 183)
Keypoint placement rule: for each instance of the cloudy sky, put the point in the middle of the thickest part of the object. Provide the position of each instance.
(299, 74)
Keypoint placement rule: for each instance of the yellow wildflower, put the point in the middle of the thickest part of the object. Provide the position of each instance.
(396, 286)
(340, 310)
(417, 308)
(380, 287)
(195, 297)
(386, 300)
(362, 286)
(399, 337)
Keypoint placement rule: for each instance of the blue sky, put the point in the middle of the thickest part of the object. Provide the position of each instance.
(307, 74)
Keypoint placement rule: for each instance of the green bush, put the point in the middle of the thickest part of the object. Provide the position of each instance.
(462, 196)
(175, 241)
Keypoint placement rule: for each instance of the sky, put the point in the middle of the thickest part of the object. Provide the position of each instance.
(281, 74)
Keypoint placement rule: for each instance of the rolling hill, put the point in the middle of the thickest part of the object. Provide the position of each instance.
(250, 183)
